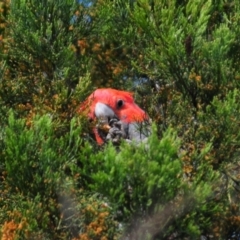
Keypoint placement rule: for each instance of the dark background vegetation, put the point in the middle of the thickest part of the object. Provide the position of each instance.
(180, 58)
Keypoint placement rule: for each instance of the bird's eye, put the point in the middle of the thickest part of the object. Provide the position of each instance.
(120, 103)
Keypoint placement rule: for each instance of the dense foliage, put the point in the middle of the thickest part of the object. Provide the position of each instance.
(181, 59)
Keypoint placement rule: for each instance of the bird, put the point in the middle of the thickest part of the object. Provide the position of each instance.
(111, 107)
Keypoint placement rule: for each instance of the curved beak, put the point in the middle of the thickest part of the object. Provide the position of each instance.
(103, 112)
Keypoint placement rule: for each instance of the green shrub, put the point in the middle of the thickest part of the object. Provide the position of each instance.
(35, 157)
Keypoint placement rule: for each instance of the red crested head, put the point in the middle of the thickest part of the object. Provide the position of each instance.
(122, 104)
(106, 104)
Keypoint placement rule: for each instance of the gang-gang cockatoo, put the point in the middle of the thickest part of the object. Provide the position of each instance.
(107, 104)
